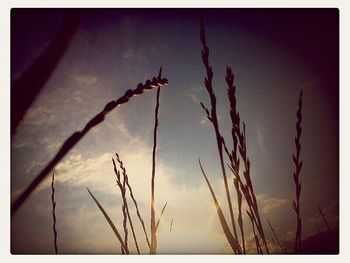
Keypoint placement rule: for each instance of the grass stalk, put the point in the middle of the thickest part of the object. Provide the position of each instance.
(239, 140)
(171, 224)
(54, 213)
(253, 222)
(160, 217)
(233, 156)
(77, 136)
(125, 207)
(296, 174)
(212, 117)
(277, 239)
(153, 249)
(326, 222)
(122, 167)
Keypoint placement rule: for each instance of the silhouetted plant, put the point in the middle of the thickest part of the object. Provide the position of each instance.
(125, 208)
(153, 220)
(212, 117)
(278, 241)
(54, 213)
(110, 222)
(77, 136)
(298, 164)
(326, 222)
(239, 142)
(123, 184)
(133, 199)
(230, 238)
(26, 88)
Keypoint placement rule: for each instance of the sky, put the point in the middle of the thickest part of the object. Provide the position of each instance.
(274, 53)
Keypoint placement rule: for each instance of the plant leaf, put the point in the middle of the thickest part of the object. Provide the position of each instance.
(233, 242)
(109, 221)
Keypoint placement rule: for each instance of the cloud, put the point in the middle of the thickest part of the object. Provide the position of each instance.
(196, 228)
(270, 204)
(39, 115)
(132, 54)
(85, 79)
(260, 138)
(194, 92)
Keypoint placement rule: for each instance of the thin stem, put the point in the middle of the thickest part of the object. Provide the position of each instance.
(298, 164)
(153, 222)
(54, 212)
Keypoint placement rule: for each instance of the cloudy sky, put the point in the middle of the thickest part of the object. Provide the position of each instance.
(273, 53)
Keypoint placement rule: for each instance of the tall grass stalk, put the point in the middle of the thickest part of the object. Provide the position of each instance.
(77, 136)
(153, 249)
(276, 237)
(253, 222)
(212, 117)
(233, 156)
(296, 174)
(325, 221)
(122, 167)
(239, 140)
(54, 213)
(125, 208)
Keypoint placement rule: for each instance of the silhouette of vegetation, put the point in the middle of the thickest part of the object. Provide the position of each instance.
(230, 238)
(239, 141)
(238, 161)
(77, 136)
(25, 89)
(110, 222)
(133, 198)
(298, 164)
(326, 222)
(124, 185)
(283, 251)
(153, 220)
(125, 208)
(54, 213)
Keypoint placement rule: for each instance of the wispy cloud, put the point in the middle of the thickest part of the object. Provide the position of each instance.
(132, 54)
(270, 204)
(85, 79)
(39, 115)
(194, 92)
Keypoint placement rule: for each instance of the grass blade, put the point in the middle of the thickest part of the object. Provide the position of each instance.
(231, 239)
(109, 222)
(160, 217)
